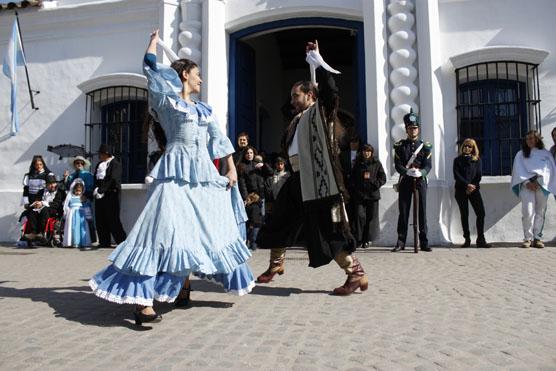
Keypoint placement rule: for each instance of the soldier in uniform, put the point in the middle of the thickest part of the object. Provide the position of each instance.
(413, 162)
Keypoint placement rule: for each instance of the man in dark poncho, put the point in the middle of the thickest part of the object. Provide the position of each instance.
(309, 210)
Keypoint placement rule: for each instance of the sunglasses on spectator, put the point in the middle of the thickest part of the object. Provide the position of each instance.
(79, 163)
(467, 146)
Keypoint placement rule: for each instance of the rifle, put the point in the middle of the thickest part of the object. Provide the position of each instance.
(416, 241)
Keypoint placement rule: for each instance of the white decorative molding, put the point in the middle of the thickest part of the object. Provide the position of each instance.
(191, 31)
(512, 53)
(283, 12)
(113, 79)
(402, 57)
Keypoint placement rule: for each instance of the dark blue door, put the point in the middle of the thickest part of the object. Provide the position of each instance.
(246, 106)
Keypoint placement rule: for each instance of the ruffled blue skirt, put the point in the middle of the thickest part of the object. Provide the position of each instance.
(184, 228)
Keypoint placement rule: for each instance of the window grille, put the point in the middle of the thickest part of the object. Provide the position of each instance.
(116, 116)
(497, 103)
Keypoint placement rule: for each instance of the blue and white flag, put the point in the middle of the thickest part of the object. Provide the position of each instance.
(14, 57)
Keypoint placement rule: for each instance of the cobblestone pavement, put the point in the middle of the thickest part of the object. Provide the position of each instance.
(464, 309)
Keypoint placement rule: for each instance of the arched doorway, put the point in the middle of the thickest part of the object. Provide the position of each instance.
(266, 59)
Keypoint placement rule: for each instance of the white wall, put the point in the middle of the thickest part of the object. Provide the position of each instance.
(467, 25)
(64, 47)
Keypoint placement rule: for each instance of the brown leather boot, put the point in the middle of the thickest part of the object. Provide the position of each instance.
(276, 266)
(357, 279)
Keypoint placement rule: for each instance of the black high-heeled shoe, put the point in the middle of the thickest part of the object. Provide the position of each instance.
(141, 318)
(183, 301)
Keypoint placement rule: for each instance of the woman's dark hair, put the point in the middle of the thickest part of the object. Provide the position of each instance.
(183, 65)
(34, 160)
(552, 133)
(365, 147)
(525, 148)
(245, 149)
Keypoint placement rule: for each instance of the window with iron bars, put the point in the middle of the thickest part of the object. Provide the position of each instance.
(116, 116)
(497, 104)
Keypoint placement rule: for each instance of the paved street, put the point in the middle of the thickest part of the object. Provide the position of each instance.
(460, 309)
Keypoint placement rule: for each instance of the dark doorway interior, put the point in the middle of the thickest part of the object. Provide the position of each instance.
(268, 64)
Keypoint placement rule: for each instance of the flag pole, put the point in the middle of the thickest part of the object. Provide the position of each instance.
(25, 65)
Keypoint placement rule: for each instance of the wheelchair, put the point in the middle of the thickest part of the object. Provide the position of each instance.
(53, 232)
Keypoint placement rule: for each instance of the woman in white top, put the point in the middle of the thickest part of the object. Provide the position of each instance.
(533, 179)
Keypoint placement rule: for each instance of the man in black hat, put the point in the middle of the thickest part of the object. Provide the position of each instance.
(108, 175)
(413, 162)
(50, 205)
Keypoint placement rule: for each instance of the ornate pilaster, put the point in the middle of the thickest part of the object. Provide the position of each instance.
(402, 56)
(191, 30)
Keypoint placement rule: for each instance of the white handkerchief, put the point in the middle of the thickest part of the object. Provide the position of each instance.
(315, 61)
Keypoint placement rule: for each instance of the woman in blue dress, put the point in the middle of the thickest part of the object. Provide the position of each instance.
(193, 217)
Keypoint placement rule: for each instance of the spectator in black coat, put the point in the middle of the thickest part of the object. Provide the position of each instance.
(242, 144)
(467, 174)
(274, 183)
(251, 181)
(349, 156)
(108, 175)
(34, 182)
(367, 176)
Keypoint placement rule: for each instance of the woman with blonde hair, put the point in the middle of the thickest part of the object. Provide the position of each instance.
(467, 174)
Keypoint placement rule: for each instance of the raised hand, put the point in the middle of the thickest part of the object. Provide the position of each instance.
(154, 35)
(312, 46)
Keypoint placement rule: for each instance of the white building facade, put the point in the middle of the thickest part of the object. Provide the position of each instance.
(484, 69)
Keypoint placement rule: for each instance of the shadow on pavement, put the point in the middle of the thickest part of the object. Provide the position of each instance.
(283, 291)
(78, 304)
(208, 286)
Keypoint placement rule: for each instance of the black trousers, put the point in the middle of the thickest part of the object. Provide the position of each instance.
(294, 223)
(364, 220)
(37, 220)
(404, 206)
(463, 199)
(107, 219)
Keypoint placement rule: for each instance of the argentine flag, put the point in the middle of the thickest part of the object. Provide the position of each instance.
(14, 57)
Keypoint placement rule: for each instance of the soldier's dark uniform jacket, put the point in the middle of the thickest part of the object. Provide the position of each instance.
(404, 149)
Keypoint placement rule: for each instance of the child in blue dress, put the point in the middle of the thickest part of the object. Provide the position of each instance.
(191, 221)
(76, 212)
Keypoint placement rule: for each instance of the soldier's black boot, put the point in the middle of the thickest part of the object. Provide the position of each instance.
(400, 245)
(481, 243)
(425, 247)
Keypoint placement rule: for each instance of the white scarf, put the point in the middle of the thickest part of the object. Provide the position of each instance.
(540, 163)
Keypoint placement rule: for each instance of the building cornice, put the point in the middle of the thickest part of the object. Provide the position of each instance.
(113, 79)
(499, 53)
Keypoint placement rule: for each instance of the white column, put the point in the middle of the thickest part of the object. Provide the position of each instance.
(402, 56)
(430, 64)
(432, 123)
(215, 59)
(168, 15)
(376, 85)
(190, 37)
